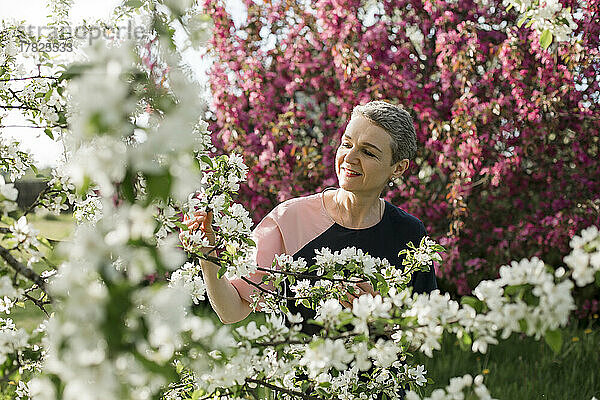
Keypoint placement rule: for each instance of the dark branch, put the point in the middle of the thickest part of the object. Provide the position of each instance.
(22, 269)
(263, 290)
(33, 126)
(18, 107)
(282, 390)
(28, 77)
(301, 275)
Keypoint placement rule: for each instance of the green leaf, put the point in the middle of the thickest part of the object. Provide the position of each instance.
(523, 325)
(179, 368)
(514, 289)
(134, 3)
(159, 185)
(466, 341)
(554, 340)
(126, 187)
(521, 21)
(48, 133)
(207, 160)
(598, 278)
(473, 302)
(221, 272)
(546, 39)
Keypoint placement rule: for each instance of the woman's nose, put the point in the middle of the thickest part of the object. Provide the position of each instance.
(351, 156)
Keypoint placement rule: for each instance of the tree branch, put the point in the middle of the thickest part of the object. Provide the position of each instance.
(33, 126)
(22, 269)
(28, 77)
(18, 107)
(282, 390)
(302, 275)
(263, 290)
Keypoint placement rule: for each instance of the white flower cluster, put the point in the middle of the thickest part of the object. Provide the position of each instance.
(107, 111)
(507, 307)
(555, 299)
(232, 221)
(546, 15)
(49, 105)
(455, 390)
(226, 171)
(11, 339)
(25, 237)
(584, 260)
(190, 277)
(12, 159)
(326, 260)
(166, 216)
(100, 162)
(88, 209)
(8, 196)
(7, 288)
(326, 354)
(290, 264)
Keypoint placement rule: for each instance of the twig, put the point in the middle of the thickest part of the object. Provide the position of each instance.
(282, 390)
(307, 340)
(38, 198)
(282, 297)
(38, 302)
(22, 269)
(303, 275)
(18, 107)
(7, 375)
(33, 126)
(28, 77)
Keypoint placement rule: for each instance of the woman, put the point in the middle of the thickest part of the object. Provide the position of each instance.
(375, 149)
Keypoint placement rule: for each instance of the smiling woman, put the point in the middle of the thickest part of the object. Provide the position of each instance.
(377, 145)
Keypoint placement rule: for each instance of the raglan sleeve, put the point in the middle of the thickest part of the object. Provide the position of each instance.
(423, 282)
(269, 242)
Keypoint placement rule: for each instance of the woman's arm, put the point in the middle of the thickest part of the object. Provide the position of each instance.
(223, 297)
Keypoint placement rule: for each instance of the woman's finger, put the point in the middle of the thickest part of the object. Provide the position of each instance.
(207, 222)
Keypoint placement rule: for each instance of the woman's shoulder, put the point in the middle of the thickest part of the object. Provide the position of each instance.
(398, 215)
(308, 206)
(300, 220)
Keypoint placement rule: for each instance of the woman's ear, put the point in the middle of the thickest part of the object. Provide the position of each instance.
(399, 168)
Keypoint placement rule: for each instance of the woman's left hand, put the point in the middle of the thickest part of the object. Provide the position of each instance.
(359, 289)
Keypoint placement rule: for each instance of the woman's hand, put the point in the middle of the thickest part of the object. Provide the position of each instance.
(359, 289)
(200, 221)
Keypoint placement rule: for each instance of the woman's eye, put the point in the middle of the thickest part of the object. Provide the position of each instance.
(367, 152)
(346, 145)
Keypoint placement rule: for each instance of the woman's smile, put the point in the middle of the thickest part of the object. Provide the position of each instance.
(350, 173)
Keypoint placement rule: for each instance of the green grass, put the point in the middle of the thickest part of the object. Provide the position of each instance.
(523, 368)
(53, 227)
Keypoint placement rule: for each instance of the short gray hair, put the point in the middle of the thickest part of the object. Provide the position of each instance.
(396, 121)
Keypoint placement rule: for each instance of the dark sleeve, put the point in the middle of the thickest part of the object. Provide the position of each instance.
(423, 282)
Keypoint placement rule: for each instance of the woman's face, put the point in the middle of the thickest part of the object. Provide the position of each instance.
(362, 162)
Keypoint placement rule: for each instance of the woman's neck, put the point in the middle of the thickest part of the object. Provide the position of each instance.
(355, 210)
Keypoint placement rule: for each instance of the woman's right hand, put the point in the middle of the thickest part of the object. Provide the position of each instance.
(202, 221)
